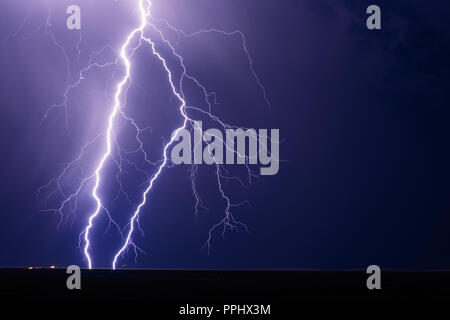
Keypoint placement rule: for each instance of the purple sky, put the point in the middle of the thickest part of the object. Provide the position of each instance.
(362, 116)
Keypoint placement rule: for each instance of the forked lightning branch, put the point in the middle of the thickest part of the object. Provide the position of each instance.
(189, 143)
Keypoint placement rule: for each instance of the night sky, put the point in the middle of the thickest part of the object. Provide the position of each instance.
(363, 118)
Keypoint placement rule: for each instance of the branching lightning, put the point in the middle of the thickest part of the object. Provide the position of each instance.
(136, 39)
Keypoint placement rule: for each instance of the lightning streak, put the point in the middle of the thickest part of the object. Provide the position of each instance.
(125, 54)
(167, 146)
(228, 221)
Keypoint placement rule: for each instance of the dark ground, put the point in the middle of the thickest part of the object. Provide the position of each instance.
(160, 294)
(204, 286)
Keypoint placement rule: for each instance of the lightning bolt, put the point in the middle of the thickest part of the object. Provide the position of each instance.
(127, 49)
(145, 12)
